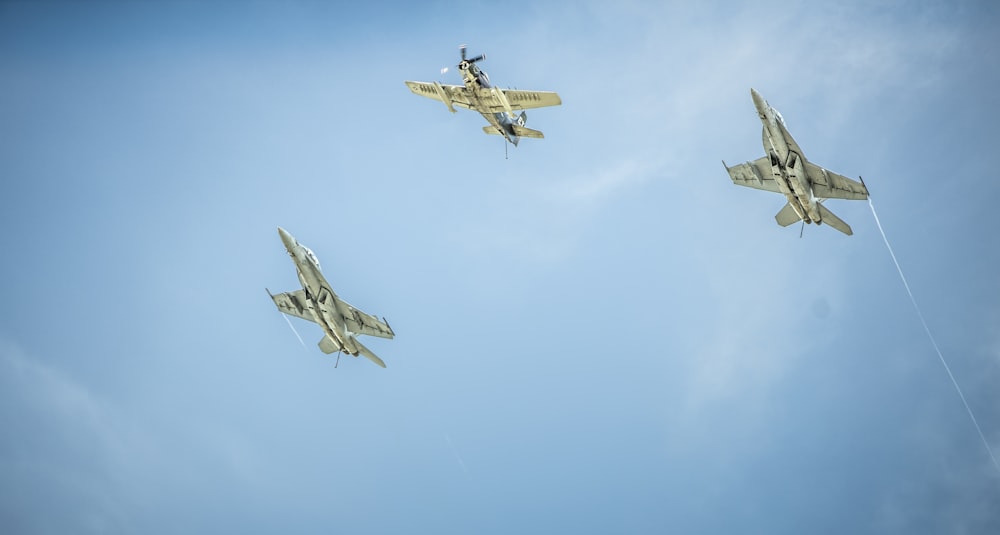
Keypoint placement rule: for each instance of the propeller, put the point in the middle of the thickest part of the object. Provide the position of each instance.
(464, 64)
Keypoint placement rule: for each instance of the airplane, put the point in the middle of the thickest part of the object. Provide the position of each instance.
(317, 302)
(496, 105)
(785, 170)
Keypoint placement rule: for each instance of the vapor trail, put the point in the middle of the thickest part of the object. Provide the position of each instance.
(933, 342)
(457, 456)
(293, 330)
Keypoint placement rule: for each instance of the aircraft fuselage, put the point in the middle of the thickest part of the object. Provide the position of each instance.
(476, 80)
(788, 164)
(318, 293)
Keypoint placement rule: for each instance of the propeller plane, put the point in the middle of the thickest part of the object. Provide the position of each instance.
(496, 105)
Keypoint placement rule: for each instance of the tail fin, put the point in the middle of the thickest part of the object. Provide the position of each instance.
(826, 216)
(787, 216)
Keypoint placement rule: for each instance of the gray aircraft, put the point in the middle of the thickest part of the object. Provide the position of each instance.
(496, 105)
(785, 170)
(317, 302)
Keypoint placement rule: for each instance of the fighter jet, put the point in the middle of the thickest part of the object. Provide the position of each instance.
(785, 170)
(316, 302)
(496, 105)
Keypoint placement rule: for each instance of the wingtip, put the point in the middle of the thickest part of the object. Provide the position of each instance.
(374, 358)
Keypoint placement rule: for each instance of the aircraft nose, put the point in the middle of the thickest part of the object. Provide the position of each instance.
(286, 238)
(758, 101)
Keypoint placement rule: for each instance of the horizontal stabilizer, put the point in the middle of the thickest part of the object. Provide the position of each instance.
(524, 131)
(519, 131)
(787, 216)
(362, 350)
(826, 216)
(329, 345)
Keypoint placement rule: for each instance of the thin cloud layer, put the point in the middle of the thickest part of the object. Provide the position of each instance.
(600, 333)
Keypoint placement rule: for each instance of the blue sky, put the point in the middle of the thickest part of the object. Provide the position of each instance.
(600, 334)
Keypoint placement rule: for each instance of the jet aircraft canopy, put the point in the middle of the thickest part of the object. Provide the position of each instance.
(311, 256)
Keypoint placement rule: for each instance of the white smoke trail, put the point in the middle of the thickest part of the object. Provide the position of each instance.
(293, 330)
(457, 456)
(933, 342)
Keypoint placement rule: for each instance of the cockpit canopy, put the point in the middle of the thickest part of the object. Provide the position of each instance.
(312, 257)
(781, 119)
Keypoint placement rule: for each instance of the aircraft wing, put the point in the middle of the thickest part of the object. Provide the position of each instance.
(755, 174)
(830, 185)
(294, 304)
(362, 323)
(518, 99)
(449, 94)
(523, 100)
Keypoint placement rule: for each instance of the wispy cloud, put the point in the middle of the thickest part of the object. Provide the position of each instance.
(93, 460)
(541, 219)
(588, 190)
(60, 440)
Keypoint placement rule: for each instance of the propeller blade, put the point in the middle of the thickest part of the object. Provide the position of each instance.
(478, 58)
(461, 48)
